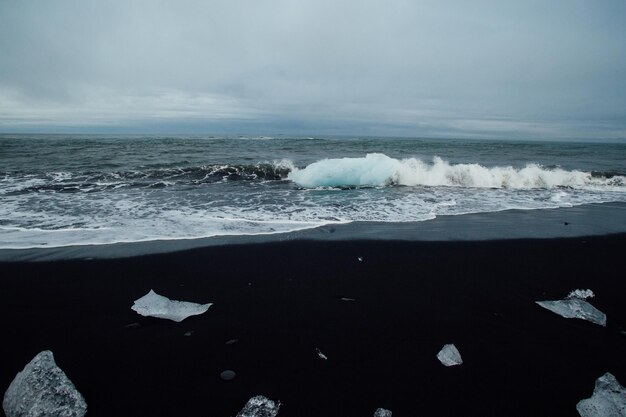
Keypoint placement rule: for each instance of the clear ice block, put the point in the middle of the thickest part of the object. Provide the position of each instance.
(42, 389)
(155, 305)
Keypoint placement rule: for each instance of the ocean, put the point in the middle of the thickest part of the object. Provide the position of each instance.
(65, 190)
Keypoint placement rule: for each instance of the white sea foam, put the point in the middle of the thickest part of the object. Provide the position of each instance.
(37, 212)
(379, 170)
(133, 215)
(9, 185)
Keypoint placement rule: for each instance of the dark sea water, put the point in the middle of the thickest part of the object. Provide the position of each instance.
(59, 190)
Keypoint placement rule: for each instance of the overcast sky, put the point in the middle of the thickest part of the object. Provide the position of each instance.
(525, 69)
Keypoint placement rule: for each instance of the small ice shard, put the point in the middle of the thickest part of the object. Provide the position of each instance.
(189, 333)
(449, 355)
(228, 375)
(582, 294)
(608, 399)
(347, 299)
(320, 354)
(381, 412)
(43, 390)
(259, 406)
(575, 308)
(360, 258)
(232, 341)
(155, 305)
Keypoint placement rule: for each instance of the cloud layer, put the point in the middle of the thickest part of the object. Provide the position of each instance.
(535, 69)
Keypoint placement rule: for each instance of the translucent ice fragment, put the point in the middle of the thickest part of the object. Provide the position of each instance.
(43, 390)
(381, 412)
(321, 355)
(259, 406)
(575, 308)
(155, 305)
(608, 399)
(449, 355)
(583, 294)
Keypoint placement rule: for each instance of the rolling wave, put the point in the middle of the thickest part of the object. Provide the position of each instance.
(373, 170)
(377, 170)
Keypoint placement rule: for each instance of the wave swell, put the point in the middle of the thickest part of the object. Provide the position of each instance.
(66, 182)
(377, 170)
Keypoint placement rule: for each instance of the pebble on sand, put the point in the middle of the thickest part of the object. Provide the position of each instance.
(228, 375)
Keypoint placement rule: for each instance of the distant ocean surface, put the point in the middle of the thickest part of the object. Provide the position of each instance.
(60, 190)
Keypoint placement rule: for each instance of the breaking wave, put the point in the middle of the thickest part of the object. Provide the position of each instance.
(157, 202)
(373, 170)
(376, 170)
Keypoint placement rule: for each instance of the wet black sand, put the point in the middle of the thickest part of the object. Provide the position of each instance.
(282, 300)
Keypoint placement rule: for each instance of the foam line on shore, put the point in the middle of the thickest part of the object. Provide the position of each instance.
(585, 220)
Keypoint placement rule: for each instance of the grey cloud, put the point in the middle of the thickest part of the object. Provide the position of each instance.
(555, 68)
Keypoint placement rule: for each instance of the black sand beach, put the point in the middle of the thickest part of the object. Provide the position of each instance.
(282, 301)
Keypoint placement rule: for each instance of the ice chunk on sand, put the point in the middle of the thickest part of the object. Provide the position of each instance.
(43, 390)
(575, 308)
(581, 294)
(320, 354)
(449, 355)
(608, 399)
(259, 406)
(381, 412)
(155, 305)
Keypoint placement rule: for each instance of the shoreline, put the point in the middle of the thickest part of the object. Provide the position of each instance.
(283, 300)
(566, 222)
